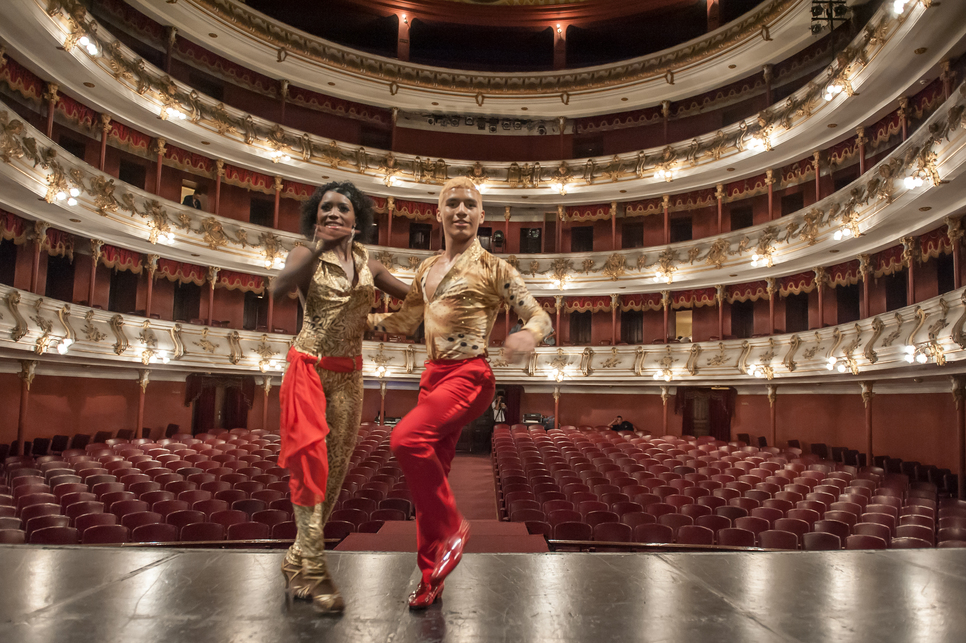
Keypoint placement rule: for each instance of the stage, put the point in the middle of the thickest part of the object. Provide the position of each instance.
(124, 595)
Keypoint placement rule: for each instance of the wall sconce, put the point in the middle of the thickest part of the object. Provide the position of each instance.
(560, 31)
(405, 19)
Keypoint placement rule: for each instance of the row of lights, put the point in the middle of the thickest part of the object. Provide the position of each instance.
(71, 196)
(87, 44)
(175, 113)
(833, 90)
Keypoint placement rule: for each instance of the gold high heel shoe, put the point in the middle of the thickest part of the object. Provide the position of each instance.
(293, 578)
(321, 590)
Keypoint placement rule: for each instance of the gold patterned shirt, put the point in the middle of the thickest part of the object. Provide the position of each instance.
(335, 311)
(459, 317)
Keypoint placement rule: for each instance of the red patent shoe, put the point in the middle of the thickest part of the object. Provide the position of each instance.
(450, 552)
(425, 595)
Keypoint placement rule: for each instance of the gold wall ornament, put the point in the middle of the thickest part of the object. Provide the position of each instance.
(894, 335)
(387, 259)
(693, 354)
(772, 392)
(836, 340)
(13, 302)
(241, 236)
(558, 304)
(214, 233)
(561, 269)
(234, 347)
(865, 266)
(213, 276)
(42, 344)
(144, 377)
(852, 346)
(613, 360)
(720, 358)
(587, 362)
(534, 268)
(117, 327)
(811, 352)
(57, 186)
(615, 266)
(933, 331)
(28, 370)
(271, 246)
(665, 394)
(410, 359)
(179, 350)
(102, 189)
(742, 363)
(910, 251)
(267, 384)
(206, 344)
(91, 332)
(810, 226)
(63, 314)
(957, 334)
(639, 356)
(147, 336)
(877, 328)
(11, 131)
(789, 361)
(867, 393)
(920, 316)
(718, 253)
(500, 361)
(954, 229)
(413, 262)
(587, 266)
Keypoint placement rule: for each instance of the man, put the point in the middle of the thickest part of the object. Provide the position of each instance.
(457, 294)
(619, 424)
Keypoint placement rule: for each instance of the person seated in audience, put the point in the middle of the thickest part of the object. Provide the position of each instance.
(499, 409)
(620, 424)
(457, 294)
(321, 393)
(198, 200)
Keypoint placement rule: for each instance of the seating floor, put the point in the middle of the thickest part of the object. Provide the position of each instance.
(108, 595)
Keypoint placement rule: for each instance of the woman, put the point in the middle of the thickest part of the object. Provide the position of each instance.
(321, 394)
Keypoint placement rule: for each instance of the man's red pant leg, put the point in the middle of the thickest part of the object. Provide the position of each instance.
(424, 443)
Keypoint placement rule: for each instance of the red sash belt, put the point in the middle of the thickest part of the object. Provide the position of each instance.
(302, 423)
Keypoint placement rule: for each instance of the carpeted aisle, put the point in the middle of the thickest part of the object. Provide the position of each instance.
(471, 479)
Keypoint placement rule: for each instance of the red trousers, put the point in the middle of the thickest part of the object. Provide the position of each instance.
(303, 425)
(451, 394)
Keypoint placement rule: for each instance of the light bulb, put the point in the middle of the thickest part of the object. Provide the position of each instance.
(84, 41)
(830, 366)
(847, 232)
(921, 358)
(838, 235)
(272, 363)
(832, 360)
(165, 360)
(62, 348)
(828, 96)
(841, 368)
(74, 192)
(657, 376)
(61, 195)
(67, 341)
(667, 377)
(92, 50)
(910, 349)
(72, 201)
(910, 358)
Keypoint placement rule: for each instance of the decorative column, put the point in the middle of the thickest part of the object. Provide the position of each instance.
(613, 225)
(772, 398)
(159, 146)
(613, 318)
(865, 270)
(402, 38)
(144, 376)
(267, 388)
(903, 117)
(947, 75)
(559, 45)
(27, 371)
(40, 243)
(558, 304)
(105, 132)
(506, 228)
(719, 194)
(278, 200)
(771, 303)
(50, 97)
(861, 140)
(212, 278)
(390, 206)
(665, 396)
(770, 182)
(957, 391)
(152, 266)
(666, 114)
(667, 218)
(171, 34)
(219, 175)
(910, 252)
(270, 321)
(382, 402)
(867, 395)
(556, 407)
(719, 297)
(95, 261)
(283, 99)
(817, 162)
(666, 303)
(954, 230)
(767, 73)
(819, 286)
(561, 217)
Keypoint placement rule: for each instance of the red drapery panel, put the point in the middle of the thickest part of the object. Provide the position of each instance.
(794, 173)
(338, 106)
(844, 274)
(247, 179)
(796, 284)
(644, 207)
(59, 243)
(201, 57)
(752, 291)
(415, 210)
(935, 242)
(888, 261)
(642, 301)
(12, 227)
(21, 80)
(296, 190)
(241, 281)
(379, 204)
(547, 303)
(843, 151)
(588, 212)
(694, 298)
(182, 272)
(606, 122)
(185, 160)
(600, 303)
(746, 188)
(78, 113)
(130, 139)
(120, 259)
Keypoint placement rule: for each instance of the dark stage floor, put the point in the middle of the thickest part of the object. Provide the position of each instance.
(53, 595)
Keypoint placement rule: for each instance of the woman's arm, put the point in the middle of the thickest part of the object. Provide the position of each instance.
(386, 282)
(299, 267)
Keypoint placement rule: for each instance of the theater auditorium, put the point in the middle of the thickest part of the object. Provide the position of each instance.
(744, 219)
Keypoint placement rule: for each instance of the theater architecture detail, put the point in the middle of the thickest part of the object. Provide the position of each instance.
(918, 187)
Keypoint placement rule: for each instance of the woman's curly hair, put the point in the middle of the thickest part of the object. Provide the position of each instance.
(361, 204)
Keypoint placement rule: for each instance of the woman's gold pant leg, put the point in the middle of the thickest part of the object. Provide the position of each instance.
(343, 414)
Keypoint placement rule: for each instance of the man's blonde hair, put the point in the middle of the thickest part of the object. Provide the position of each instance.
(458, 182)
